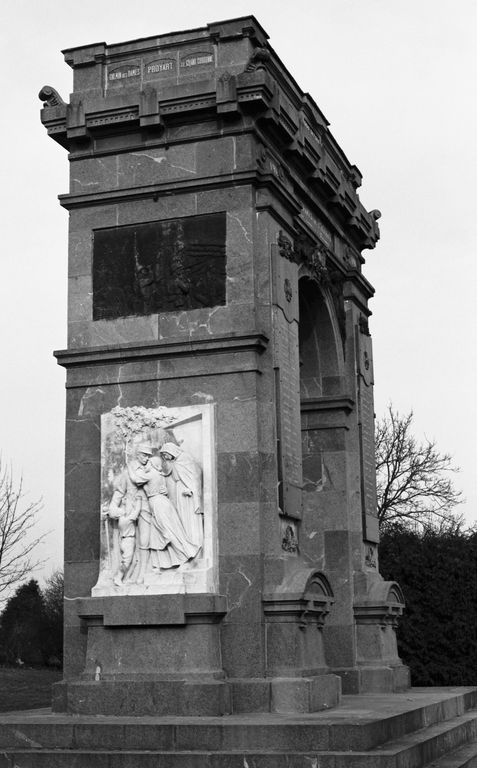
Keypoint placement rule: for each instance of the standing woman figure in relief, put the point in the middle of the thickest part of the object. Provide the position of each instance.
(162, 538)
(185, 490)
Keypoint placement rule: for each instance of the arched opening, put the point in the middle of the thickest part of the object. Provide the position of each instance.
(318, 343)
(322, 427)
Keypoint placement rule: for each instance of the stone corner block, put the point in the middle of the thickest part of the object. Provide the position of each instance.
(250, 695)
(305, 694)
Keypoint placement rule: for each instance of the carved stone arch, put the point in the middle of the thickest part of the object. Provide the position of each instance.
(384, 602)
(321, 350)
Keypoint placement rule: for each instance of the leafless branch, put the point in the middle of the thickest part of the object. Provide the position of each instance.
(18, 518)
(414, 483)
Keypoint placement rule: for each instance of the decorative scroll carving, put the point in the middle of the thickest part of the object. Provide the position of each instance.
(156, 491)
(51, 97)
(258, 60)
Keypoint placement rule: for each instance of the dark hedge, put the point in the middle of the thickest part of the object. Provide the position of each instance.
(437, 571)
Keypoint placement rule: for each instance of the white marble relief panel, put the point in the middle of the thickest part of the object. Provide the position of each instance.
(158, 501)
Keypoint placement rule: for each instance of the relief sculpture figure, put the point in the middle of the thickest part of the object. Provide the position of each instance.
(148, 523)
(152, 500)
(185, 490)
(127, 503)
(161, 533)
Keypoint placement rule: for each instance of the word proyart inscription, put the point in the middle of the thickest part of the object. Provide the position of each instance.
(157, 512)
(159, 266)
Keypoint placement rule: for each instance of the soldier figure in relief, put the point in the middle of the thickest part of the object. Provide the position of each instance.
(127, 503)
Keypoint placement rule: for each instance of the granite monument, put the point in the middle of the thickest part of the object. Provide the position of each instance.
(220, 510)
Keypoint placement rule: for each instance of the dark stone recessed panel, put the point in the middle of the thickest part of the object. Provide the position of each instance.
(161, 266)
(316, 440)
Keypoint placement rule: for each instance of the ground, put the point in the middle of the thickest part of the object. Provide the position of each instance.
(26, 688)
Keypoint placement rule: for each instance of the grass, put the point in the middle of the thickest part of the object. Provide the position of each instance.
(26, 688)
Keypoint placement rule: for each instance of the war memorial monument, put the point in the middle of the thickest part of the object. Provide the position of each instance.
(224, 605)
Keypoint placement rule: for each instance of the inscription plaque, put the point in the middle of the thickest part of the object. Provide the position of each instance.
(124, 72)
(196, 59)
(160, 68)
(367, 455)
(142, 269)
(317, 226)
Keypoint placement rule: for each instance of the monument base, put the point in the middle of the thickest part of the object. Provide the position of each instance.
(196, 697)
(419, 727)
(382, 679)
(285, 694)
(161, 697)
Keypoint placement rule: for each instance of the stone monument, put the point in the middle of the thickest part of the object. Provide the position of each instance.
(220, 513)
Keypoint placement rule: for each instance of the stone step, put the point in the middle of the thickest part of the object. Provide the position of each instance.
(360, 723)
(414, 751)
(463, 757)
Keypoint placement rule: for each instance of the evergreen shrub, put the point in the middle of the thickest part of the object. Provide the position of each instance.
(437, 571)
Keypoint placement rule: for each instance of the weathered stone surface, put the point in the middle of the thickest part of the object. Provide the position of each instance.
(371, 730)
(239, 528)
(250, 695)
(174, 169)
(304, 694)
(145, 697)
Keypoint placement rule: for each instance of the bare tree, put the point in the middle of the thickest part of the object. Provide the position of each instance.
(414, 485)
(18, 518)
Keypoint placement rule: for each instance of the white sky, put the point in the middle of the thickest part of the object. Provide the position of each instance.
(396, 80)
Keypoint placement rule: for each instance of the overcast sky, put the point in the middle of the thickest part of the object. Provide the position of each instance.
(395, 79)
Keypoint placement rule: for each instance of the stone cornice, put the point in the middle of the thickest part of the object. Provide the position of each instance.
(343, 403)
(112, 196)
(154, 350)
(152, 610)
(255, 86)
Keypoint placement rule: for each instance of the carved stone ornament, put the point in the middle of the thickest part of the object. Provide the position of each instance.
(290, 541)
(364, 325)
(370, 557)
(258, 60)
(315, 257)
(157, 501)
(383, 604)
(288, 290)
(51, 97)
(285, 247)
(306, 252)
